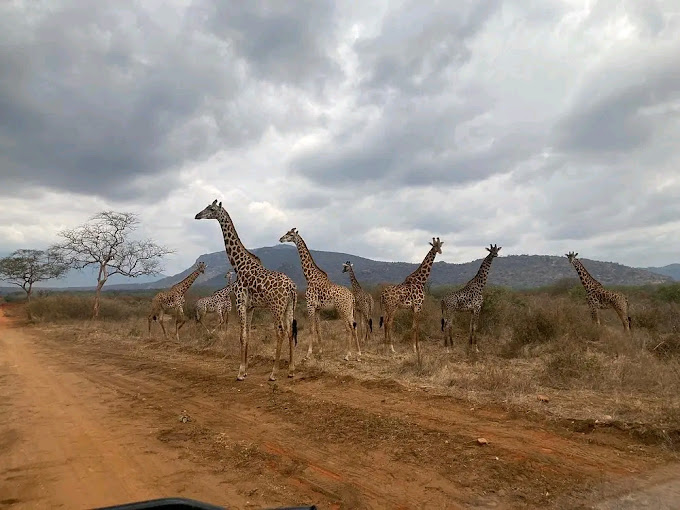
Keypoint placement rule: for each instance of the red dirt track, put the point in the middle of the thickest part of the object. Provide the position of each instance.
(94, 423)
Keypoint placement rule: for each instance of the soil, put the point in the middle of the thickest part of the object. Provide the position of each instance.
(96, 422)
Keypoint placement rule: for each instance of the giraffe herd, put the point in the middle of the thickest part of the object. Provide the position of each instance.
(256, 286)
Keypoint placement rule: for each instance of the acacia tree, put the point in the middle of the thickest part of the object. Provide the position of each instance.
(105, 242)
(23, 268)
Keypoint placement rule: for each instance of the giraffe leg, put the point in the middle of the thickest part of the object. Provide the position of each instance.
(160, 321)
(448, 333)
(317, 328)
(150, 318)
(355, 333)
(199, 318)
(179, 322)
(473, 329)
(594, 313)
(243, 321)
(280, 333)
(389, 322)
(367, 330)
(248, 328)
(220, 317)
(416, 335)
(624, 318)
(348, 327)
(290, 317)
(415, 331)
(312, 326)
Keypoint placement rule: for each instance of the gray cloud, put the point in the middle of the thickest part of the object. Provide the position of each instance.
(93, 98)
(280, 41)
(609, 114)
(417, 46)
(537, 125)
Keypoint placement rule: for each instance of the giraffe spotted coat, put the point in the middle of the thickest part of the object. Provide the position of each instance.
(172, 302)
(363, 301)
(469, 298)
(257, 287)
(598, 297)
(322, 293)
(219, 303)
(408, 294)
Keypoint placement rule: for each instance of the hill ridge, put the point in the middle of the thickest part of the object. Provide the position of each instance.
(514, 271)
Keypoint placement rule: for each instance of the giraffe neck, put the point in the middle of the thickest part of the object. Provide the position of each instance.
(584, 275)
(356, 288)
(483, 271)
(239, 258)
(309, 267)
(184, 285)
(421, 274)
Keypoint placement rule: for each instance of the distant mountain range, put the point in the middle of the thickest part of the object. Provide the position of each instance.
(672, 270)
(514, 271)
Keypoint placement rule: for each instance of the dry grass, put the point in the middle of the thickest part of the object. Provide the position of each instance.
(538, 342)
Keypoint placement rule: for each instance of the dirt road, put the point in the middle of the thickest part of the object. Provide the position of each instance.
(96, 422)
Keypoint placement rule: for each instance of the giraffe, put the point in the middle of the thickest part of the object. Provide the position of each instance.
(323, 293)
(408, 294)
(257, 287)
(599, 297)
(469, 298)
(219, 302)
(172, 301)
(364, 301)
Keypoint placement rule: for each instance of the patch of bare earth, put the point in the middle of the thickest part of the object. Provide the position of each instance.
(341, 435)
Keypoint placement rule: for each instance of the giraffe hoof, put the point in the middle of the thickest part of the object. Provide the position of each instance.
(291, 375)
(272, 378)
(240, 378)
(346, 358)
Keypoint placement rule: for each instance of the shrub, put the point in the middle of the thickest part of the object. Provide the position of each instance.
(669, 293)
(564, 368)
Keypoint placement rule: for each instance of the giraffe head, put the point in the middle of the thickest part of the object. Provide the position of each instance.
(493, 250)
(228, 275)
(201, 267)
(571, 256)
(290, 236)
(210, 213)
(346, 266)
(437, 245)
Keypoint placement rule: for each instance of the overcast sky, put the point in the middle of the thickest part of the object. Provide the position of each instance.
(541, 125)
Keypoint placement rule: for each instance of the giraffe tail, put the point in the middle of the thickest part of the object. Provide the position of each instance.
(293, 327)
(370, 324)
(630, 322)
(443, 322)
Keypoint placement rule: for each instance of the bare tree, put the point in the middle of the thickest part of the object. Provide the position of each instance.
(23, 268)
(104, 241)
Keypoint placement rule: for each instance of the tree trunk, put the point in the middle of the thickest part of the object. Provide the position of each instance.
(97, 294)
(101, 280)
(28, 301)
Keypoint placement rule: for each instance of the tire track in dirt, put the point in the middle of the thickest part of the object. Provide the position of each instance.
(56, 449)
(334, 473)
(513, 436)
